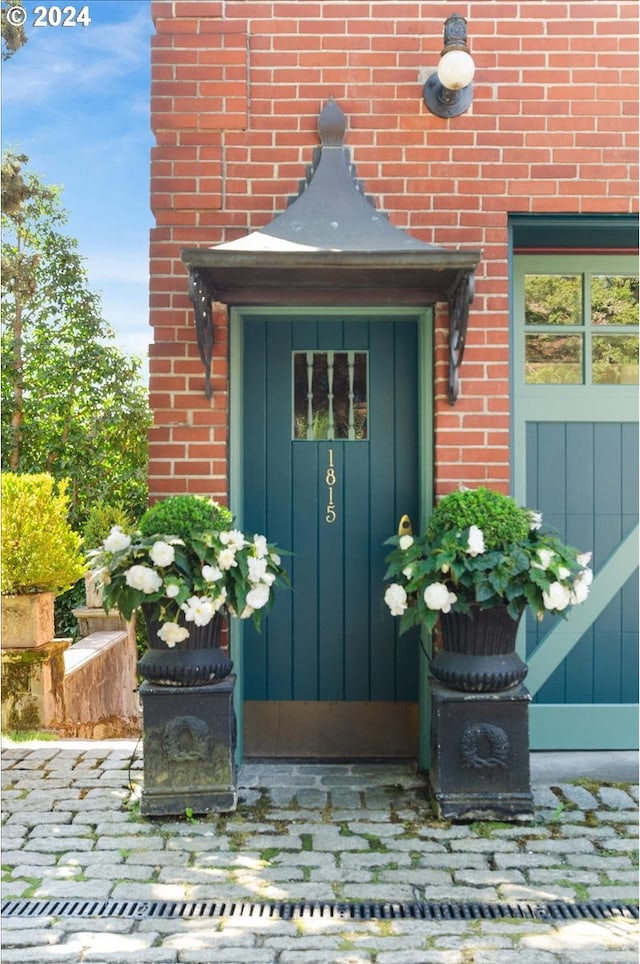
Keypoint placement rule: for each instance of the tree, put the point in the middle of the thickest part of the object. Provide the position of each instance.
(73, 404)
(13, 35)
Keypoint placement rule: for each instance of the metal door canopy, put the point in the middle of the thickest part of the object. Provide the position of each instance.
(331, 247)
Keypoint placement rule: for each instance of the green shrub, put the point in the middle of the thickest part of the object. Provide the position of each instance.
(185, 515)
(501, 520)
(40, 550)
(66, 624)
(101, 518)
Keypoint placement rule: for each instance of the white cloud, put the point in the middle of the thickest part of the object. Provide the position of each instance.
(72, 63)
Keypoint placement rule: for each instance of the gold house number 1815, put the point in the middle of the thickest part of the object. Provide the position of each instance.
(330, 479)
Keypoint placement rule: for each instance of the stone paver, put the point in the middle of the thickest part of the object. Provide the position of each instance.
(305, 832)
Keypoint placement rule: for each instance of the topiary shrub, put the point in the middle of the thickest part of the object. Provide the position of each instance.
(184, 516)
(501, 520)
(101, 518)
(40, 550)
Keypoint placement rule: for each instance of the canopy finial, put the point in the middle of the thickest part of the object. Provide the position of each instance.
(332, 125)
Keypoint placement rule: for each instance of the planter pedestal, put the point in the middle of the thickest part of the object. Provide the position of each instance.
(189, 739)
(480, 754)
(33, 686)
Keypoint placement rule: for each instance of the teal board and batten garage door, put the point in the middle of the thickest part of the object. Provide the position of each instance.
(329, 464)
(575, 349)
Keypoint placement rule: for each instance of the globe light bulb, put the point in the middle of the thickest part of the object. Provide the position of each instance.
(456, 69)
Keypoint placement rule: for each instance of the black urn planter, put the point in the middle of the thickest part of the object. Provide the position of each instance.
(197, 661)
(478, 651)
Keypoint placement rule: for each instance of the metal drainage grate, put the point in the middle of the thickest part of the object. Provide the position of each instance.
(292, 910)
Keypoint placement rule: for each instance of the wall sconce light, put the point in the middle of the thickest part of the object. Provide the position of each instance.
(448, 91)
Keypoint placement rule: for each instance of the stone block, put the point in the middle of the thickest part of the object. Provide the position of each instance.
(27, 620)
(94, 620)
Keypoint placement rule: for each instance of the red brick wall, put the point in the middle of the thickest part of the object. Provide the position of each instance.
(236, 91)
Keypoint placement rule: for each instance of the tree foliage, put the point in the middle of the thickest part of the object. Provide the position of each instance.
(73, 404)
(13, 36)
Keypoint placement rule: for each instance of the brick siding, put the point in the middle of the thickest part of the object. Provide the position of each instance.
(236, 92)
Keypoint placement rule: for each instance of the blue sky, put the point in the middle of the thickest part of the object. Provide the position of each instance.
(76, 101)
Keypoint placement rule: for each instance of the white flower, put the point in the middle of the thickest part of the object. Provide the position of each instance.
(162, 554)
(275, 558)
(143, 578)
(580, 592)
(584, 558)
(545, 556)
(211, 573)
(475, 545)
(437, 596)
(257, 568)
(405, 542)
(220, 600)
(234, 539)
(582, 583)
(563, 572)
(198, 610)
(407, 572)
(102, 576)
(556, 596)
(258, 596)
(117, 540)
(171, 633)
(535, 519)
(396, 599)
(262, 549)
(171, 590)
(257, 571)
(227, 558)
(586, 575)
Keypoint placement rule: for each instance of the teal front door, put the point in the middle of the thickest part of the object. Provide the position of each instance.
(329, 464)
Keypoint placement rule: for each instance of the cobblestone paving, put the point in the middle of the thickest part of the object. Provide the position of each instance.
(312, 832)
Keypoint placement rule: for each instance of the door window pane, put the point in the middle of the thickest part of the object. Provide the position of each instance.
(553, 359)
(615, 359)
(330, 395)
(614, 300)
(553, 299)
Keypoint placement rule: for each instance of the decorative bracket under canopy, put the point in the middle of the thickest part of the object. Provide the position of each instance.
(459, 301)
(201, 296)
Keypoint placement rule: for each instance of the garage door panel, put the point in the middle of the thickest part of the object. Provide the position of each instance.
(576, 460)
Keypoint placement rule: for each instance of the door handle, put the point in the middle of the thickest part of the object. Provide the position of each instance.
(404, 526)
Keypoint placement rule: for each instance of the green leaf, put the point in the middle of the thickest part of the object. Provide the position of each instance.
(484, 591)
(182, 561)
(514, 609)
(514, 591)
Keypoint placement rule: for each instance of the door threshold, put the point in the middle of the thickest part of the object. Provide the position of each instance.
(330, 731)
